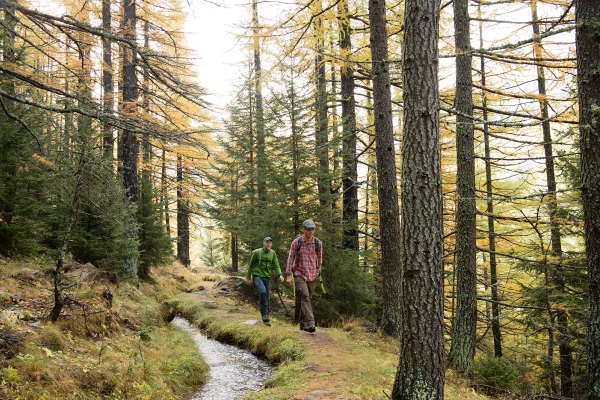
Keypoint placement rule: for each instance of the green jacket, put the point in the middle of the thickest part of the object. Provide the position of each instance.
(261, 263)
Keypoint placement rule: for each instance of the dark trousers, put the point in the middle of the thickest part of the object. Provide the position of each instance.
(264, 289)
(304, 293)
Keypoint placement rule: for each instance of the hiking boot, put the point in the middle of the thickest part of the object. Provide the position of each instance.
(267, 323)
(310, 329)
(265, 318)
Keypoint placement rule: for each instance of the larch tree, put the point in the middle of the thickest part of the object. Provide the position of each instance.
(128, 144)
(489, 193)
(464, 321)
(387, 189)
(321, 119)
(588, 82)
(421, 368)
(261, 175)
(349, 140)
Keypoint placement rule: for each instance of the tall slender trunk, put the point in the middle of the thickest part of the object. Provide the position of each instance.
(183, 216)
(464, 322)
(107, 81)
(59, 298)
(261, 174)
(350, 170)
(495, 322)
(556, 275)
(387, 187)
(128, 146)
(321, 136)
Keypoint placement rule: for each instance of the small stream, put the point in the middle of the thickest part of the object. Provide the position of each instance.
(233, 371)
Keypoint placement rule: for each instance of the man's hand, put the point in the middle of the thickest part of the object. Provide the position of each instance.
(289, 279)
(249, 282)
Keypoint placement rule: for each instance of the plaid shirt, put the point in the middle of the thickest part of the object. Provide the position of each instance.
(308, 263)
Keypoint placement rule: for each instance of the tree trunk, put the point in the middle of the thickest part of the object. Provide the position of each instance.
(464, 322)
(261, 173)
(495, 300)
(322, 142)
(420, 373)
(183, 217)
(59, 298)
(128, 149)
(588, 82)
(349, 174)
(387, 188)
(564, 342)
(107, 81)
(234, 253)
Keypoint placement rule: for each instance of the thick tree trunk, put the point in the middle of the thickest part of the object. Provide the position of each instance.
(350, 174)
(464, 322)
(387, 188)
(420, 373)
(588, 82)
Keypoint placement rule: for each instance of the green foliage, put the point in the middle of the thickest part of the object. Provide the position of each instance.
(495, 375)
(211, 251)
(10, 375)
(101, 235)
(22, 187)
(156, 248)
(350, 290)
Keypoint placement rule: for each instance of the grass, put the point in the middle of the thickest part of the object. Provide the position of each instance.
(94, 351)
(128, 350)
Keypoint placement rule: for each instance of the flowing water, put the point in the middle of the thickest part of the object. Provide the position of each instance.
(232, 371)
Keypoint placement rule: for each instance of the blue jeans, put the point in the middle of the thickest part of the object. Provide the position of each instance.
(264, 287)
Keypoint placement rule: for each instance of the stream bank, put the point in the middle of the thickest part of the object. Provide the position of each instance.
(233, 371)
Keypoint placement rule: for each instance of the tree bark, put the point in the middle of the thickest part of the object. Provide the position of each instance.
(321, 136)
(588, 82)
(261, 173)
(128, 149)
(387, 187)
(420, 373)
(107, 81)
(350, 173)
(183, 217)
(464, 322)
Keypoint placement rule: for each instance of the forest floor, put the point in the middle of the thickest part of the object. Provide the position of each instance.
(113, 340)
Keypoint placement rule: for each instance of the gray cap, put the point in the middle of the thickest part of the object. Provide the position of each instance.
(267, 238)
(308, 224)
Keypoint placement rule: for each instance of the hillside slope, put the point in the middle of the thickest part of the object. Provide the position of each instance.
(113, 341)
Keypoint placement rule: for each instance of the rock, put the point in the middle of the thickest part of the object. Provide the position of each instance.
(29, 274)
(15, 298)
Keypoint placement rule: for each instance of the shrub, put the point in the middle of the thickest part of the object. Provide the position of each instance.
(494, 375)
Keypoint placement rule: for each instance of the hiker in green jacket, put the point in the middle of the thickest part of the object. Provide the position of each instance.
(259, 272)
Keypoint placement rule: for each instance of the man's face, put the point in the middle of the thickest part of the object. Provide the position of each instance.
(309, 232)
(268, 244)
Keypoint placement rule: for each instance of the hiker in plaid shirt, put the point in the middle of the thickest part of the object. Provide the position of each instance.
(304, 267)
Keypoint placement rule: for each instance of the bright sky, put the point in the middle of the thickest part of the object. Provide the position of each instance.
(210, 31)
